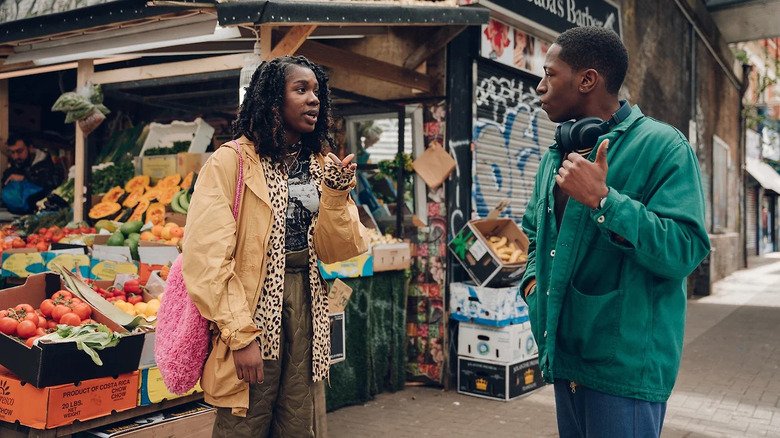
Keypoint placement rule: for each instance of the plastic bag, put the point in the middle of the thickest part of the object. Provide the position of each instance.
(84, 106)
(18, 194)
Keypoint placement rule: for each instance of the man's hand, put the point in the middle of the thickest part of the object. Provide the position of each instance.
(249, 364)
(582, 180)
(14, 177)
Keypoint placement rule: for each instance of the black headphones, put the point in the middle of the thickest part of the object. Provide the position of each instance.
(584, 133)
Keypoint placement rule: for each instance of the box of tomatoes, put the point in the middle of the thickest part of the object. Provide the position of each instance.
(48, 364)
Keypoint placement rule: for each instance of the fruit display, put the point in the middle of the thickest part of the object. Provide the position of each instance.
(128, 298)
(44, 237)
(26, 323)
(508, 252)
(139, 200)
(104, 210)
(376, 238)
(169, 233)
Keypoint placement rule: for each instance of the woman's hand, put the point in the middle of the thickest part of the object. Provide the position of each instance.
(249, 364)
(347, 162)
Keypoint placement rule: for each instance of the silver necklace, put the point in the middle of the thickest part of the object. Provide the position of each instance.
(290, 164)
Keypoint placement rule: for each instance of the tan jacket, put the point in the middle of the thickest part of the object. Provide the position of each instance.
(225, 265)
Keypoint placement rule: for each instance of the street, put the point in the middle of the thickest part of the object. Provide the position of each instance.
(728, 386)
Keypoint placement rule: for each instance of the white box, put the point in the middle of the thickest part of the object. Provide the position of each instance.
(198, 132)
(510, 344)
(497, 307)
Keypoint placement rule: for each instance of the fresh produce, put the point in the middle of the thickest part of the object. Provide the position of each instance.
(156, 213)
(188, 180)
(104, 210)
(136, 183)
(132, 198)
(376, 238)
(170, 234)
(178, 146)
(113, 195)
(89, 338)
(109, 175)
(180, 203)
(508, 253)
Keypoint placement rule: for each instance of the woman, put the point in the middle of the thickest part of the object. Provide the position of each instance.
(256, 277)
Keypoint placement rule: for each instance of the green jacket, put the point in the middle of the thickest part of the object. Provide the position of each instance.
(608, 310)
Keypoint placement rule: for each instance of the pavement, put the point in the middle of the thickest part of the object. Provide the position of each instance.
(728, 386)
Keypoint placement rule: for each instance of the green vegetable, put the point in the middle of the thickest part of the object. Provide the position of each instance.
(131, 227)
(116, 239)
(88, 338)
(117, 175)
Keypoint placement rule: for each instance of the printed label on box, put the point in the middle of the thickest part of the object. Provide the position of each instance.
(478, 249)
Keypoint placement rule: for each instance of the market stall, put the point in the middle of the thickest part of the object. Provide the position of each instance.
(141, 171)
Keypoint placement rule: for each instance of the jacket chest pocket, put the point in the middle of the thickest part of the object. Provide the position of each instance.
(590, 325)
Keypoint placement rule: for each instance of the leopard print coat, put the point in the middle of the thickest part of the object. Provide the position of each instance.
(269, 309)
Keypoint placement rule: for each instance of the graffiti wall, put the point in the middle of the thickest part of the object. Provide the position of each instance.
(425, 320)
(511, 133)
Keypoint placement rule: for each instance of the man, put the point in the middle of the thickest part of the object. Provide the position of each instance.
(31, 165)
(614, 230)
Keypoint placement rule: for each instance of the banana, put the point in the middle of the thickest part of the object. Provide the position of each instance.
(184, 200)
(515, 257)
(175, 206)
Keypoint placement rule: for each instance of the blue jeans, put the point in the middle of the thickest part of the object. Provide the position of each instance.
(586, 413)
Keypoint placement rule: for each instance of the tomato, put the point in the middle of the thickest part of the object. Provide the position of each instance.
(19, 243)
(59, 311)
(51, 324)
(32, 316)
(82, 310)
(46, 307)
(88, 321)
(62, 294)
(70, 319)
(43, 322)
(29, 342)
(42, 246)
(43, 231)
(74, 301)
(57, 237)
(26, 328)
(26, 307)
(8, 325)
(40, 331)
(3, 313)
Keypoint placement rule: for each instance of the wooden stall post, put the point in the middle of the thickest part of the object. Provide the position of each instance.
(84, 73)
(4, 122)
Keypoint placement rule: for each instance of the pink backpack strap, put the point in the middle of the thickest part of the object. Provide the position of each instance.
(240, 182)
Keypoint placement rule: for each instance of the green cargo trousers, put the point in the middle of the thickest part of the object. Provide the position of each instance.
(282, 405)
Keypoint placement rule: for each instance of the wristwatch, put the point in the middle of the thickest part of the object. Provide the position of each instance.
(603, 200)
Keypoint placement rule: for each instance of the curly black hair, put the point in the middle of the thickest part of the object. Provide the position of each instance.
(260, 115)
(597, 48)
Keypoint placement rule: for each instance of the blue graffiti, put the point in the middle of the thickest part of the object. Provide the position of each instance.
(507, 102)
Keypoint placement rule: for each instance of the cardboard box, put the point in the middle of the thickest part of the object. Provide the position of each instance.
(179, 219)
(360, 266)
(495, 307)
(107, 269)
(60, 405)
(151, 388)
(498, 381)
(154, 253)
(470, 247)
(504, 345)
(163, 135)
(101, 251)
(393, 257)
(338, 347)
(159, 166)
(191, 420)
(76, 263)
(55, 364)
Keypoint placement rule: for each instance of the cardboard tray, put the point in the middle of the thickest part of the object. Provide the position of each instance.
(54, 364)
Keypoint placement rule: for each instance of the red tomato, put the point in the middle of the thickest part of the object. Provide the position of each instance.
(8, 325)
(57, 237)
(59, 311)
(62, 294)
(42, 322)
(70, 319)
(26, 328)
(42, 246)
(88, 321)
(40, 331)
(51, 324)
(82, 310)
(43, 231)
(75, 300)
(19, 243)
(30, 340)
(134, 299)
(46, 307)
(3, 313)
(32, 316)
(26, 307)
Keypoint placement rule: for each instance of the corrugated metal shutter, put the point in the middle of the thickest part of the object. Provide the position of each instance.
(752, 221)
(511, 133)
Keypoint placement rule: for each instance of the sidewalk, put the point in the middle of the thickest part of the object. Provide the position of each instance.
(728, 386)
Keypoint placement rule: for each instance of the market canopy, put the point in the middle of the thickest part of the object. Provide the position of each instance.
(765, 174)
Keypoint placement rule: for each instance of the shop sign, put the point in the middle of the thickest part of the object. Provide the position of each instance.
(558, 15)
(513, 47)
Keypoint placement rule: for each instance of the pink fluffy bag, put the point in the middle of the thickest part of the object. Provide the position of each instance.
(182, 333)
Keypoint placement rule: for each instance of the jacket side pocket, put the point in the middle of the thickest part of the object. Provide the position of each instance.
(590, 325)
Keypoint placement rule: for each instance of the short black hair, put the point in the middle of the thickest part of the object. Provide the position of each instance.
(13, 138)
(260, 115)
(598, 48)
